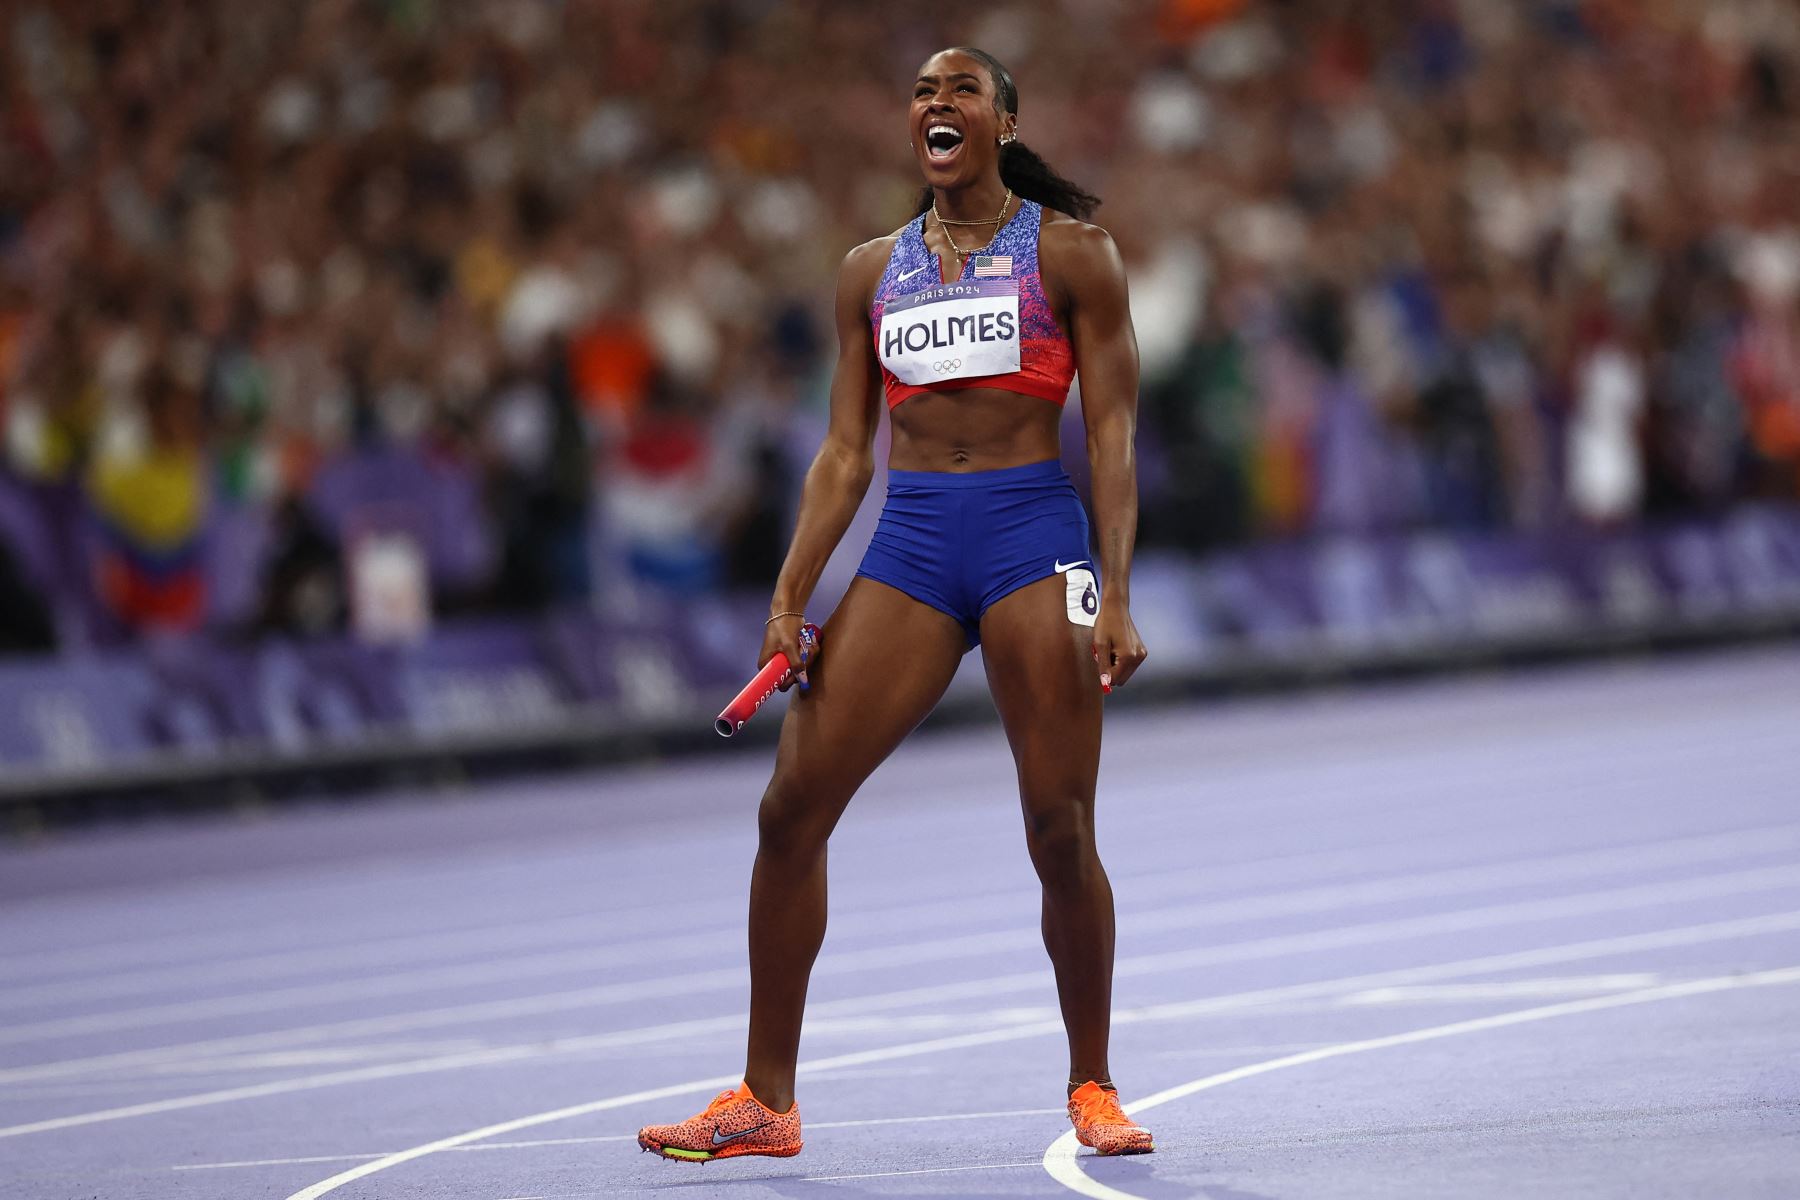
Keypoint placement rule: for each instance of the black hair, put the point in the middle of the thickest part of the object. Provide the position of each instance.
(1028, 175)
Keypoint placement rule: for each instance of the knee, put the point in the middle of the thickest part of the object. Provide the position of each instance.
(1061, 839)
(789, 822)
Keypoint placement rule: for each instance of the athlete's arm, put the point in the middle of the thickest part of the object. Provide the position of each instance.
(840, 472)
(1106, 356)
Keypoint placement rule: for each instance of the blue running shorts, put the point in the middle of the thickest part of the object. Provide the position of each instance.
(961, 541)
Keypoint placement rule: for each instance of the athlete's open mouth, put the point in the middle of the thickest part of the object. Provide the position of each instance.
(942, 141)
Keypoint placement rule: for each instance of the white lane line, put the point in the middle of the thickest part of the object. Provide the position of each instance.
(282, 1162)
(1596, 948)
(553, 1001)
(487, 935)
(1241, 951)
(1060, 1158)
(228, 947)
(490, 968)
(280, 1087)
(1241, 754)
(1258, 949)
(905, 1050)
(399, 984)
(107, 956)
(382, 951)
(1505, 989)
(920, 1171)
(928, 1119)
(297, 883)
(1487, 916)
(156, 947)
(390, 950)
(1610, 947)
(1461, 880)
(816, 1178)
(222, 1070)
(535, 1143)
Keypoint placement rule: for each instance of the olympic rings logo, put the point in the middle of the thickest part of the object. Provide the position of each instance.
(947, 365)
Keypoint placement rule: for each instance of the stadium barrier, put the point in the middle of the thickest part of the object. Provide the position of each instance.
(207, 716)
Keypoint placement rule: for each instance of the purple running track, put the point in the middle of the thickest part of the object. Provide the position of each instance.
(1485, 937)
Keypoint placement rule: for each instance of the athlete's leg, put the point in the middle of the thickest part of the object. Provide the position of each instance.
(1041, 671)
(885, 660)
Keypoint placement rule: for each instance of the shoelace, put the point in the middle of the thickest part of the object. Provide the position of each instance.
(1102, 1109)
(723, 1100)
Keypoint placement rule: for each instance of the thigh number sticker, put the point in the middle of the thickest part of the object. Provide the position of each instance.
(1083, 592)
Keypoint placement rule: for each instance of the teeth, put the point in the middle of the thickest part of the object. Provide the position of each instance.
(942, 140)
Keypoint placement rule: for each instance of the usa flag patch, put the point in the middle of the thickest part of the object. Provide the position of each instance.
(993, 266)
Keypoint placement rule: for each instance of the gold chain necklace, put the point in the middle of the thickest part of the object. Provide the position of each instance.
(944, 227)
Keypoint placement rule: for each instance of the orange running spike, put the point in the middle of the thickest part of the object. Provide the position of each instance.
(735, 1123)
(1100, 1122)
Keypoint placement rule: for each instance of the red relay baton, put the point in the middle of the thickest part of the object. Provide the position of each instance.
(745, 704)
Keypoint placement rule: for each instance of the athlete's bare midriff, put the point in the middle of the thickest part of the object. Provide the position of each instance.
(973, 429)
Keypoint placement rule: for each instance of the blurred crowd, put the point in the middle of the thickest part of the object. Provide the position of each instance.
(495, 304)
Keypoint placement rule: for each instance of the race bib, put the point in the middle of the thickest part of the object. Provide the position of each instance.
(1082, 592)
(953, 331)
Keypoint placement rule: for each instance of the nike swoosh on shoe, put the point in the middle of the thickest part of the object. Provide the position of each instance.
(720, 1139)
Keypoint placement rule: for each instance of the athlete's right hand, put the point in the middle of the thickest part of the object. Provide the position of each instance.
(782, 636)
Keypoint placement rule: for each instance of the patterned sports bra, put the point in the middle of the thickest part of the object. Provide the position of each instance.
(991, 328)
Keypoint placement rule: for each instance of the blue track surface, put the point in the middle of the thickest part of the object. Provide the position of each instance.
(1534, 936)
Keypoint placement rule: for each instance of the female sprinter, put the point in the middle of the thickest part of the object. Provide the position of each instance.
(972, 320)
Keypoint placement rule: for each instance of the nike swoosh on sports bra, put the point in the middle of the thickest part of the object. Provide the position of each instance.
(991, 328)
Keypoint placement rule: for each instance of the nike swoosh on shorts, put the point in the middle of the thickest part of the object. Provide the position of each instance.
(1062, 566)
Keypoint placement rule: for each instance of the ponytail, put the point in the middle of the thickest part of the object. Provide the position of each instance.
(1021, 169)
(1031, 178)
